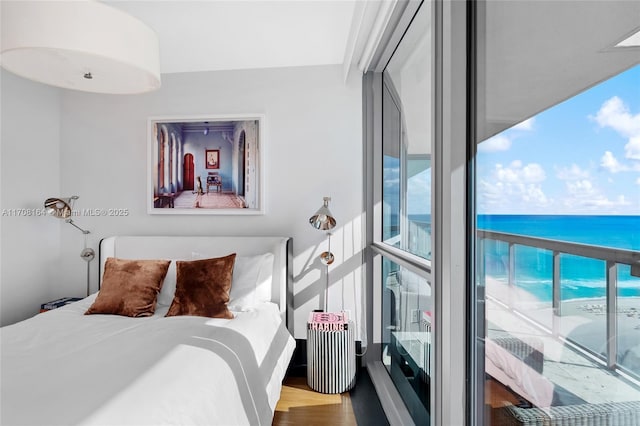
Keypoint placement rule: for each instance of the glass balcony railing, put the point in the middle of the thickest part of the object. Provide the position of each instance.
(588, 296)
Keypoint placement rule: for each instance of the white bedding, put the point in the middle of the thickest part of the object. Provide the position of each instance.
(66, 368)
(511, 371)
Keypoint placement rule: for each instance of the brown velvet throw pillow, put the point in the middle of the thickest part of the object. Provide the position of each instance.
(130, 287)
(203, 287)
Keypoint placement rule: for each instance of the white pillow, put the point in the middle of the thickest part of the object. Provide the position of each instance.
(251, 283)
(165, 297)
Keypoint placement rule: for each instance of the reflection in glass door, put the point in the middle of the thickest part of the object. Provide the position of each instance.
(405, 246)
(407, 336)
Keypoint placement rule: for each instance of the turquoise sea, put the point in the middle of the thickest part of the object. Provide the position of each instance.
(580, 277)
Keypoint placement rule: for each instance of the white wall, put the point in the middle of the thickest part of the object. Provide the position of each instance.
(30, 173)
(313, 148)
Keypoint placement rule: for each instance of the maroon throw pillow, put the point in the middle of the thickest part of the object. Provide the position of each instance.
(130, 287)
(203, 287)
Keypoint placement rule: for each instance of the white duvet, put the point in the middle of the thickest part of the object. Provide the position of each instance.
(511, 371)
(66, 368)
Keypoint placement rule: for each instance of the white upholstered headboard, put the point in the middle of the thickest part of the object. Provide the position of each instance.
(184, 248)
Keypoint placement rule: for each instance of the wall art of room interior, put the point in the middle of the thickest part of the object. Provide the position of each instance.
(205, 165)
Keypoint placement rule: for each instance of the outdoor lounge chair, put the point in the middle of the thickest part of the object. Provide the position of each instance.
(600, 414)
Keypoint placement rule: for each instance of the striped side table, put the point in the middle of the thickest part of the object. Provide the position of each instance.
(331, 357)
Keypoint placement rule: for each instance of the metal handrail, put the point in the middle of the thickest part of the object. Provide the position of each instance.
(627, 257)
(611, 256)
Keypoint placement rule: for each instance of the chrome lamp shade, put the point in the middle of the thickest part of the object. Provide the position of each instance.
(59, 207)
(62, 208)
(323, 220)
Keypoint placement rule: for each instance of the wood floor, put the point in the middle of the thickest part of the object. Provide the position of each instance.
(299, 405)
(497, 395)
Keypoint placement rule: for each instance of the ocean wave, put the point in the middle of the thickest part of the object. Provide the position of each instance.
(573, 288)
(633, 283)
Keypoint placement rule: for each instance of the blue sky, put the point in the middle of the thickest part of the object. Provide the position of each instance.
(581, 156)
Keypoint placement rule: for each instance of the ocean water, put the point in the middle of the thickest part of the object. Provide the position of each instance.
(581, 278)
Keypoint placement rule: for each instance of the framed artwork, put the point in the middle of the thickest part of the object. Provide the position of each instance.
(212, 158)
(209, 164)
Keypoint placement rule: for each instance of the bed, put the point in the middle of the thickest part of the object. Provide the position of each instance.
(64, 367)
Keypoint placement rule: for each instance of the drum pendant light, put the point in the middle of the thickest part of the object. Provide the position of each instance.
(82, 45)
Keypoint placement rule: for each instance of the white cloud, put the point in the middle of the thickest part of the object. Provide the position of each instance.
(516, 173)
(497, 143)
(571, 173)
(632, 149)
(534, 194)
(583, 195)
(614, 113)
(525, 125)
(638, 181)
(515, 188)
(533, 173)
(419, 193)
(580, 188)
(611, 163)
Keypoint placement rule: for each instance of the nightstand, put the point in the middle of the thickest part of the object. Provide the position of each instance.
(58, 303)
(331, 352)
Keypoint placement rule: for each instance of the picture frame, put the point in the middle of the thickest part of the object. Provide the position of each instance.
(206, 165)
(212, 159)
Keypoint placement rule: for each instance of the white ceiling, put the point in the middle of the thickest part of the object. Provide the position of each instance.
(521, 71)
(229, 35)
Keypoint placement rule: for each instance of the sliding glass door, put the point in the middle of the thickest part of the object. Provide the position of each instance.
(557, 281)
